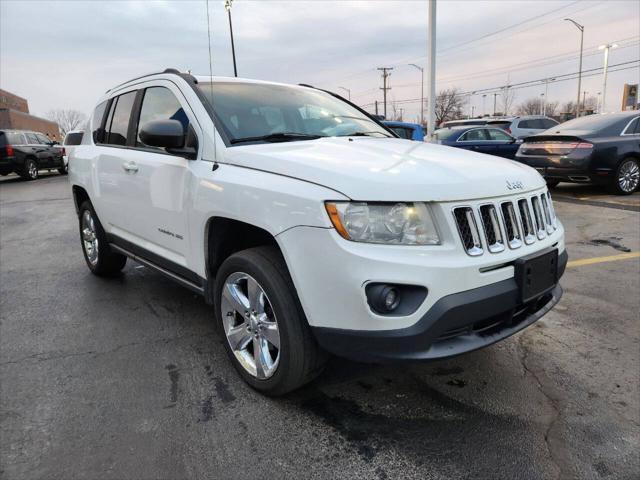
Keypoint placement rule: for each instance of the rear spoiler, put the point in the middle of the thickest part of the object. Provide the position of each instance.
(541, 138)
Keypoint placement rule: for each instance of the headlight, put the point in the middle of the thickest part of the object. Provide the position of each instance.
(390, 223)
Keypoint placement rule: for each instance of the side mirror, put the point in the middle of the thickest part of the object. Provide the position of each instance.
(163, 133)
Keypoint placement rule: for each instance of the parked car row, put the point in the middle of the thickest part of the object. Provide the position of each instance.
(25, 152)
(518, 127)
(602, 149)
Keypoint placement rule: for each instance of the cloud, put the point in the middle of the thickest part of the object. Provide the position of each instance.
(66, 54)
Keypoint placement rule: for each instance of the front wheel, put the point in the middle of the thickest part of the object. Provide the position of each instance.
(552, 183)
(63, 170)
(30, 169)
(101, 260)
(267, 336)
(627, 177)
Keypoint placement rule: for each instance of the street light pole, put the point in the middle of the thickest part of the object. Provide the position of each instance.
(606, 49)
(495, 96)
(581, 28)
(484, 111)
(421, 92)
(543, 105)
(348, 92)
(431, 65)
(470, 112)
(227, 7)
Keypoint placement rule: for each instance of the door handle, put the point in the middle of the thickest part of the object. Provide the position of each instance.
(130, 167)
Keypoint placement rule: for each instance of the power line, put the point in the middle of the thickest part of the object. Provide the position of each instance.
(531, 83)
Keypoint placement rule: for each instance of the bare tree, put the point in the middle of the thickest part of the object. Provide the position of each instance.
(591, 103)
(507, 97)
(449, 104)
(568, 107)
(531, 106)
(551, 109)
(67, 120)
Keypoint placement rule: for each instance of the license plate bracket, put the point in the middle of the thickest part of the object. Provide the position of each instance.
(536, 274)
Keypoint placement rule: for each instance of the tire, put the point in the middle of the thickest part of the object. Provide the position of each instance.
(552, 183)
(627, 177)
(63, 170)
(101, 260)
(30, 169)
(297, 359)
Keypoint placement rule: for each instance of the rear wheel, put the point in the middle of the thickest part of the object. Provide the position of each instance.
(101, 260)
(267, 336)
(63, 170)
(30, 169)
(627, 177)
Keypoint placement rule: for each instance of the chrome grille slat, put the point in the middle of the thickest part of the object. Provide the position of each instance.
(541, 229)
(491, 228)
(468, 230)
(511, 223)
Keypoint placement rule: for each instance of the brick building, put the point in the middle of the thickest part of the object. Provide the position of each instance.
(14, 114)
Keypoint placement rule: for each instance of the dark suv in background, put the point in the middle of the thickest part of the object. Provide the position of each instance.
(25, 153)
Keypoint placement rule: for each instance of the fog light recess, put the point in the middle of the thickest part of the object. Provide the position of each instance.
(394, 300)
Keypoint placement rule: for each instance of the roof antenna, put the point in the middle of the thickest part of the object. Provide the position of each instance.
(215, 150)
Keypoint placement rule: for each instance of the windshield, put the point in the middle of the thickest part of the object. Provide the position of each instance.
(253, 110)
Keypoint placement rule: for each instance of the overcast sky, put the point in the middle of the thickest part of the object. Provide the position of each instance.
(66, 54)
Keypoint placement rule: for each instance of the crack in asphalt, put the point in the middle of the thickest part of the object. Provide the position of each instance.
(39, 358)
(523, 354)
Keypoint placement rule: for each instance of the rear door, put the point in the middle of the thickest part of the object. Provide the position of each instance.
(47, 151)
(477, 140)
(117, 189)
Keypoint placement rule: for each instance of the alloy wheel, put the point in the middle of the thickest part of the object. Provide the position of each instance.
(33, 170)
(250, 325)
(629, 176)
(89, 237)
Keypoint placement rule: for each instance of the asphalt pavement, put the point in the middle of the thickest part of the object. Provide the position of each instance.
(126, 378)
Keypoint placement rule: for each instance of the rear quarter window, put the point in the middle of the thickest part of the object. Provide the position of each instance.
(73, 138)
(11, 138)
(97, 130)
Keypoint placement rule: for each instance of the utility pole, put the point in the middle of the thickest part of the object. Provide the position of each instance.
(401, 117)
(376, 102)
(606, 49)
(470, 112)
(348, 92)
(421, 92)
(495, 96)
(584, 101)
(473, 109)
(484, 111)
(385, 75)
(227, 7)
(546, 94)
(542, 104)
(581, 28)
(431, 65)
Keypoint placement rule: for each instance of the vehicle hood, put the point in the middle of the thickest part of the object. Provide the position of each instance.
(389, 169)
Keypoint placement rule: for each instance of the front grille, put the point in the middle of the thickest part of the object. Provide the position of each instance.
(505, 224)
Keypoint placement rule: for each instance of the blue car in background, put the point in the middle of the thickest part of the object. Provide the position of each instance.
(479, 138)
(410, 131)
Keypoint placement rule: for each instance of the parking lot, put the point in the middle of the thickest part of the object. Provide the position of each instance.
(126, 378)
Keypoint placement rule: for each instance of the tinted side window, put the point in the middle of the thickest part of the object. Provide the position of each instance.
(13, 138)
(160, 104)
(73, 138)
(547, 123)
(637, 125)
(495, 134)
(117, 134)
(474, 136)
(633, 127)
(96, 123)
(528, 124)
(31, 139)
(403, 132)
(42, 139)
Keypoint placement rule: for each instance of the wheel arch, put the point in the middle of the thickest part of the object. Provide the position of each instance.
(225, 236)
(80, 195)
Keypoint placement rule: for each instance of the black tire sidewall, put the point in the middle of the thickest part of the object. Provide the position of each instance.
(616, 183)
(285, 306)
(109, 263)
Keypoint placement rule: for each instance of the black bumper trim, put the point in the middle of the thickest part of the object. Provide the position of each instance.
(493, 307)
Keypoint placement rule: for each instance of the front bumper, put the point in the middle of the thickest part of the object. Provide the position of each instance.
(456, 324)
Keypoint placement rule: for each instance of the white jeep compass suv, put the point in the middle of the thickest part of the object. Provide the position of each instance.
(310, 227)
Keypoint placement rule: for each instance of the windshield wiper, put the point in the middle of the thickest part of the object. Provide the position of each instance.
(277, 137)
(366, 134)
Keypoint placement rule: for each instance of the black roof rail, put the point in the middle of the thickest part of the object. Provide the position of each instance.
(305, 85)
(174, 71)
